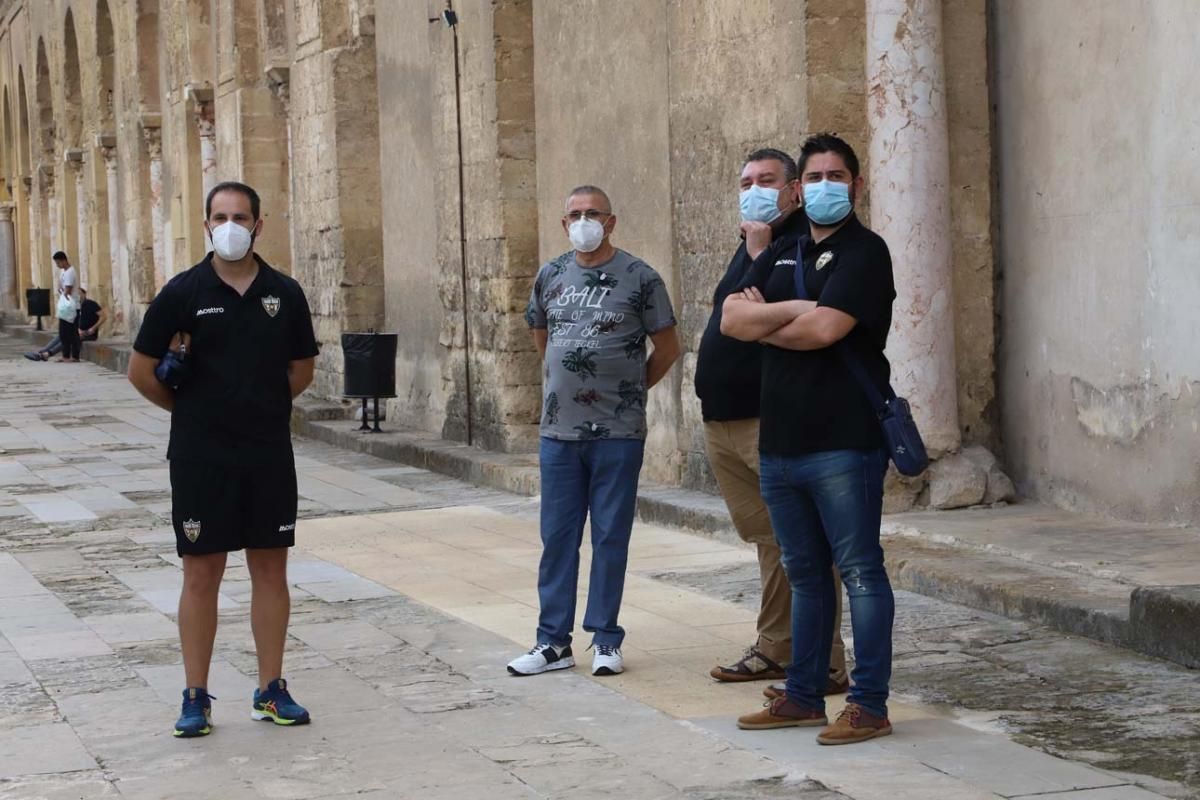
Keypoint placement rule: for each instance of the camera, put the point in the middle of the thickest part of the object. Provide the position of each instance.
(173, 369)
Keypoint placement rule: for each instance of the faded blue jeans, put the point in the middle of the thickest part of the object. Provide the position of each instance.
(826, 507)
(601, 476)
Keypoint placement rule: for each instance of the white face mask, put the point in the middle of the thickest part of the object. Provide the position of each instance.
(231, 241)
(585, 234)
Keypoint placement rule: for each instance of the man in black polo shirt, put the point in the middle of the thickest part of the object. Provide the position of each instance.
(728, 375)
(823, 456)
(246, 336)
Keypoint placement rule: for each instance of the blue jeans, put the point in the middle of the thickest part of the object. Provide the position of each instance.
(600, 475)
(826, 507)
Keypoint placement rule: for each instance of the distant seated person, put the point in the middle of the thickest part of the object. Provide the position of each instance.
(91, 317)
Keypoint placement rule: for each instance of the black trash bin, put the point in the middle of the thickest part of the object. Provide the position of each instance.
(37, 303)
(370, 369)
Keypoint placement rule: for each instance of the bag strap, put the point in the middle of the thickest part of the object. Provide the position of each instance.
(878, 401)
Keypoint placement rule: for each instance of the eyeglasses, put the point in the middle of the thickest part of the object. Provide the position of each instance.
(591, 213)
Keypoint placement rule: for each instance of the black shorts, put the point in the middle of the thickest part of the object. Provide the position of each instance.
(217, 508)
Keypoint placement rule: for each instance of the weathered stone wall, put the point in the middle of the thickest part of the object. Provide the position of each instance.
(602, 93)
(1100, 220)
(498, 230)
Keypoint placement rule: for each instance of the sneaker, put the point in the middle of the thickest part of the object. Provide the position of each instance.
(33, 356)
(608, 660)
(276, 705)
(832, 686)
(753, 666)
(782, 713)
(542, 658)
(196, 717)
(855, 724)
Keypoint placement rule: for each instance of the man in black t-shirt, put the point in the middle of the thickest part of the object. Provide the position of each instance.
(91, 317)
(728, 375)
(822, 450)
(245, 336)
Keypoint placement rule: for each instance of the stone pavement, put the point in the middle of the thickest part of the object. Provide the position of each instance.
(412, 590)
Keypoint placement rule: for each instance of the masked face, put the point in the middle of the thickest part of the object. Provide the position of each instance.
(759, 204)
(231, 242)
(586, 235)
(827, 202)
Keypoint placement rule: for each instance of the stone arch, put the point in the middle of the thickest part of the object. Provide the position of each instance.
(106, 57)
(252, 121)
(148, 69)
(21, 182)
(42, 148)
(9, 280)
(44, 214)
(108, 281)
(72, 194)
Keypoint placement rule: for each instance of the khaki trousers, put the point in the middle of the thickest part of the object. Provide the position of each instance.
(733, 455)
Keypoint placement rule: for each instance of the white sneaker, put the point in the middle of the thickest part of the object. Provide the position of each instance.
(607, 660)
(542, 658)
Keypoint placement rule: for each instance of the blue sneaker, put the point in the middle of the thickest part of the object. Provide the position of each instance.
(196, 717)
(277, 705)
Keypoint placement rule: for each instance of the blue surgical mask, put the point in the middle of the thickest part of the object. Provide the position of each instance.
(827, 202)
(759, 204)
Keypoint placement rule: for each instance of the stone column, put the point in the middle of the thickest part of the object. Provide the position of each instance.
(75, 164)
(8, 258)
(206, 124)
(279, 79)
(153, 136)
(120, 298)
(909, 182)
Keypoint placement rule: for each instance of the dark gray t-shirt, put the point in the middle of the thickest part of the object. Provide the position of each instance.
(597, 319)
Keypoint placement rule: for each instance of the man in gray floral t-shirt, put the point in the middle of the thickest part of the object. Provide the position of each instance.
(592, 311)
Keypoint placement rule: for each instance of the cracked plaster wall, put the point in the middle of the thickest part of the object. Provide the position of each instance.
(1100, 223)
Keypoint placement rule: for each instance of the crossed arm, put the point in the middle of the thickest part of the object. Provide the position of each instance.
(791, 324)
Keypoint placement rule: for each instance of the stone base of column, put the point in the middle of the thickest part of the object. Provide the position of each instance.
(970, 477)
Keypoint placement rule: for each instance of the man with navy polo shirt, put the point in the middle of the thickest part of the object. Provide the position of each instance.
(822, 449)
(245, 336)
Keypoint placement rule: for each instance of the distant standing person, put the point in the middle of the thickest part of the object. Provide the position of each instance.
(67, 308)
(250, 349)
(592, 311)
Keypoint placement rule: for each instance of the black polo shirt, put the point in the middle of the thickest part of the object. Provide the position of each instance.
(810, 401)
(236, 404)
(728, 371)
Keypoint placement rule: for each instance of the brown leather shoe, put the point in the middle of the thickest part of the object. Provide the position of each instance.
(832, 686)
(754, 666)
(782, 713)
(855, 724)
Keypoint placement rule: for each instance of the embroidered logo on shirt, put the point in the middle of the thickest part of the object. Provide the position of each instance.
(204, 312)
(191, 529)
(287, 528)
(824, 259)
(786, 262)
(271, 305)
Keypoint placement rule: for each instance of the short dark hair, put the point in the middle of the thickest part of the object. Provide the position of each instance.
(587, 188)
(59, 256)
(771, 154)
(828, 143)
(233, 186)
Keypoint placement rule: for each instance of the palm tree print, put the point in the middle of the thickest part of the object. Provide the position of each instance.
(582, 362)
(641, 300)
(599, 280)
(592, 430)
(632, 396)
(635, 346)
(587, 398)
(551, 410)
(559, 265)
